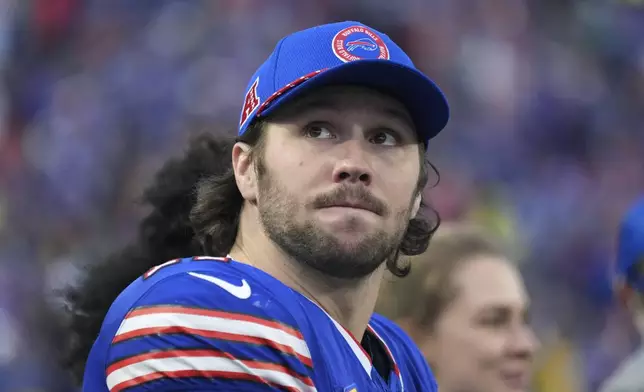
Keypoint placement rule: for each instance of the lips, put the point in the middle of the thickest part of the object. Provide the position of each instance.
(356, 205)
(516, 379)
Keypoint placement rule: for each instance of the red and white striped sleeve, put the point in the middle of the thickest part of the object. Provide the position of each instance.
(186, 334)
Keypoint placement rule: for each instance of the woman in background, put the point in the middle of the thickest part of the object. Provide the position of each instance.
(466, 307)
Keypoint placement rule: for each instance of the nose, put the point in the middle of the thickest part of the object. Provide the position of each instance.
(525, 343)
(352, 168)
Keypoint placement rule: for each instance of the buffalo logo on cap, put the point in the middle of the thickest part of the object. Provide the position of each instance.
(359, 43)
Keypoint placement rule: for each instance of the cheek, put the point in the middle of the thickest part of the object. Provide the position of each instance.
(399, 189)
(289, 172)
(301, 169)
(466, 347)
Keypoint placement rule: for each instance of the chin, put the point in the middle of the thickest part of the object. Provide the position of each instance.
(346, 238)
(516, 385)
(349, 232)
(350, 243)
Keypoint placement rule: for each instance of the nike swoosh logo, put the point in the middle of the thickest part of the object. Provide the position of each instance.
(241, 292)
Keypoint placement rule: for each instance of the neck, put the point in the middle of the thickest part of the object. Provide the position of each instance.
(349, 302)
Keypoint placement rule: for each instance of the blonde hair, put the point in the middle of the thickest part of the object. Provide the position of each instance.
(421, 297)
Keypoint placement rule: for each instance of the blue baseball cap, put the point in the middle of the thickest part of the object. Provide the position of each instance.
(630, 253)
(344, 53)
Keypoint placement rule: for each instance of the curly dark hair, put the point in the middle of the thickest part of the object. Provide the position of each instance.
(164, 234)
(195, 210)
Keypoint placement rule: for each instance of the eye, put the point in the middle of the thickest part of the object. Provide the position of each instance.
(318, 131)
(385, 138)
(494, 321)
(496, 318)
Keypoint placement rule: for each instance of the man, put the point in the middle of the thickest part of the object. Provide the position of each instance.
(323, 194)
(629, 377)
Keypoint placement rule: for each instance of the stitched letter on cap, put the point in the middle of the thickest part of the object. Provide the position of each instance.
(251, 102)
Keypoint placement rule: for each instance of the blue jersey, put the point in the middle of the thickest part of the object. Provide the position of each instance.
(214, 324)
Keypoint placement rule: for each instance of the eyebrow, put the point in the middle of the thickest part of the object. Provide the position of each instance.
(506, 308)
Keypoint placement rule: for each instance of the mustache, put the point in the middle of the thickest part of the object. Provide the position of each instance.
(357, 195)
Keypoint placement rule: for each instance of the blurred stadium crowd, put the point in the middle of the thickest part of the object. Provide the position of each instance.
(545, 145)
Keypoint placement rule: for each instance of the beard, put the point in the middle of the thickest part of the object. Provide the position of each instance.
(315, 247)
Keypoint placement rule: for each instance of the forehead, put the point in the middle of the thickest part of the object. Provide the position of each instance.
(348, 98)
(489, 281)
